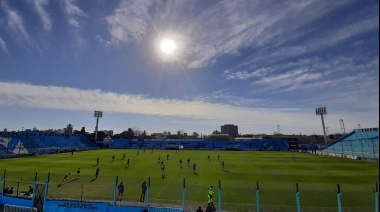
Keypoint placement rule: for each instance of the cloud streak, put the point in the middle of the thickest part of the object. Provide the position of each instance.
(260, 25)
(130, 21)
(73, 12)
(3, 46)
(45, 17)
(15, 22)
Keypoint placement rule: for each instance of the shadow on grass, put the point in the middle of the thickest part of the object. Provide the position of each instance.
(73, 180)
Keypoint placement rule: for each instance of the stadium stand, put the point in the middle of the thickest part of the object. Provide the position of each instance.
(19, 143)
(362, 144)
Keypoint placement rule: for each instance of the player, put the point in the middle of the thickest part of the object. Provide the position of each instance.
(127, 164)
(180, 163)
(143, 191)
(208, 157)
(138, 152)
(223, 165)
(163, 171)
(210, 193)
(97, 161)
(123, 158)
(78, 173)
(120, 187)
(97, 173)
(65, 178)
(167, 157)
(188, 162)
(294, 158)
(113, 158)
(194, 167)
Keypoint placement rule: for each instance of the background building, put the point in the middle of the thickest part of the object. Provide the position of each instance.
(230, 129)
(69, 129)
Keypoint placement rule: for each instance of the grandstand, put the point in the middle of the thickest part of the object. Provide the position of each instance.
(361, 144)
(31, 142)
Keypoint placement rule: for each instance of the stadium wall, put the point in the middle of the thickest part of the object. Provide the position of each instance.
(70, 206)
(15, 201)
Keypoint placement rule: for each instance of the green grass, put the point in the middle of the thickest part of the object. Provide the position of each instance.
(276, 172)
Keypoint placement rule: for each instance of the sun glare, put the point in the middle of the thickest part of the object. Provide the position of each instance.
(168, 46)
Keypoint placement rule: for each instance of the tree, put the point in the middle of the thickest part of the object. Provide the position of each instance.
(137, 132)
(101, 136)
(216, 132)
(129, 134)
(181, 132)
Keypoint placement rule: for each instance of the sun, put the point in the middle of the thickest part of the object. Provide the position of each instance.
(168, 46)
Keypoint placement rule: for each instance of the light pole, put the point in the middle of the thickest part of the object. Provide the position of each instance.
(321, 111)
(97, 115)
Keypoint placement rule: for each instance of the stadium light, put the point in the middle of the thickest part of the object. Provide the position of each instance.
(97, 115)
(342, 128)
(321, 111)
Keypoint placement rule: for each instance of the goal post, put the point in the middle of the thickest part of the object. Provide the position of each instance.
(16, 208)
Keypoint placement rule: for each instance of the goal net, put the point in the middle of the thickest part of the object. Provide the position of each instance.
(15, 208)
(49, 150)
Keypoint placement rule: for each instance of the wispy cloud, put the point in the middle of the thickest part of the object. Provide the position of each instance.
(15, 23)
(73, 12)
(45, 17)
(290, 78)
(317, 42)
(3, 46)
(243, 75)
(130, 21)
(259, 25)
(315, 73)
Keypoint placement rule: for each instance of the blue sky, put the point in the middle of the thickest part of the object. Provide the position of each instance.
(258, 64)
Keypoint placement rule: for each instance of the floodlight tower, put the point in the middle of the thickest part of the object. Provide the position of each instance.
(342, 129)
(321, 111)
(97, 115)
(278, 129)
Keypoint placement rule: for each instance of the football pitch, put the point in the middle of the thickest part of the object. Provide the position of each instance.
(276, 172)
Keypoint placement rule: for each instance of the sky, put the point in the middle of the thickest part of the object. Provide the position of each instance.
(263, 65)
